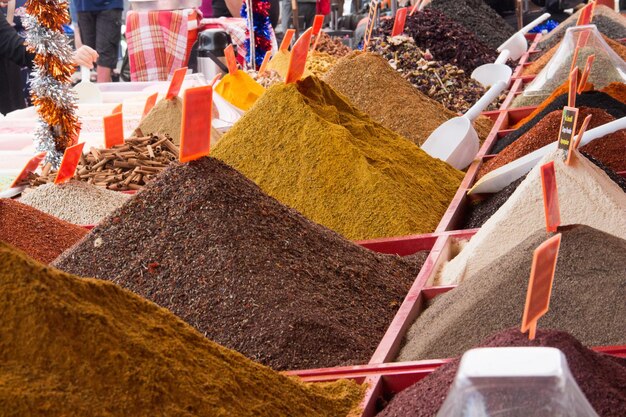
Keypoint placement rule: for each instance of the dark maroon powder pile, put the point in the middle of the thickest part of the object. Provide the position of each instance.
(246, 271)
(602, 378)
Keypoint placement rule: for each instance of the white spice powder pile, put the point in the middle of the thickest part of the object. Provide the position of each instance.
(76, 202)
(586, 196)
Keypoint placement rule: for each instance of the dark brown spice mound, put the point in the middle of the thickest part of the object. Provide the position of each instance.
(601, 378)
(447, 40)
(40, 235)
(245, 270)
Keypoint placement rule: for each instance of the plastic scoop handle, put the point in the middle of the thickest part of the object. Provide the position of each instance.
(603, 130)
(503, 57)
(534, 23)
(85, 74)
(485, 100)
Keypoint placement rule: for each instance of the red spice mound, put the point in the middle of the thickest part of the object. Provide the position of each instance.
(610, 150)
(601, 378)
(40, 235)
(543, 133)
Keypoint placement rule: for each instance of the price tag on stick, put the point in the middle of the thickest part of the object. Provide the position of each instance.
(297, 60)
(415, 7)
(317, 28)
(195, 134)
(574, 143)
(266, 59)
(585, 75)
(231, 61)
(585, 16)
(215, 79)
(150, 102)
(550, 197)
(568, 126)
(117, 109)
(398, 23)
(573, 84)
(540, 284)
(71, 156)
(30, 166)
(113, 130)
(284, 45)
(176, 83)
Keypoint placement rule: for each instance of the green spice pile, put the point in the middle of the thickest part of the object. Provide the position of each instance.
(164, 119)
(305, 145)
(372, 85)
(587, 297)
(73, 346)
(246, 271)
(445, 83)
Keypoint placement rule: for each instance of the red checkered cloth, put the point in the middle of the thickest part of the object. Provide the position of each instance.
(159, 42)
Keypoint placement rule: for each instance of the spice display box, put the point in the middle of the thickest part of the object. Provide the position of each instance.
(443, 250)
(384, 381)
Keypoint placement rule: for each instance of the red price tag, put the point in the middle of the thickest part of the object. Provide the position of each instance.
(30, 166)
(231, 61)
(117, 109)
(113, 130)
(150, 102)
(176, 83)
(550, 197)
(195, 138)
(398, 24)
(415, 7)
(586, 71)
(297, 60)
(540, 284)
(317, 27)
(573, 84)
(574, 143)
(586, 15)
(71, 156)
(266, 59)
(284, 45)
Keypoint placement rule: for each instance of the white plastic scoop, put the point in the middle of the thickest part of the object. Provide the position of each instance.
(501, 177)
(456, 141)
(489, 74)
(87, 91)
(517, 44)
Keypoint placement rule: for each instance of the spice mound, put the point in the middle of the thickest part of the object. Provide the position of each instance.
(332, 46)
(40, 235)
(75, 201)
(129, 166)
(477, 17)
(310, 149)
(443, 82)
(593, 99)
(600, 377)
(246, 271)
(523, 213)
(164, 119)
(87, 347)
(542, 134)
(373, 86)
(492, 299)
(447, 40)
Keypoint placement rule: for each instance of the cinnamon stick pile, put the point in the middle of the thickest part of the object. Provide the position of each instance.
(124, 167)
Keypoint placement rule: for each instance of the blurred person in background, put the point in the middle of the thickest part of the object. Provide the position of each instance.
(13, 54)
(100, 23)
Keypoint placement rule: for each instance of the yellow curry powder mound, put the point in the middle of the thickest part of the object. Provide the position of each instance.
(306, 146)
(84, 347)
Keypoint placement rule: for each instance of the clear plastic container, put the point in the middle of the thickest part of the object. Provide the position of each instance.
(607, 67)
(515, 382)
